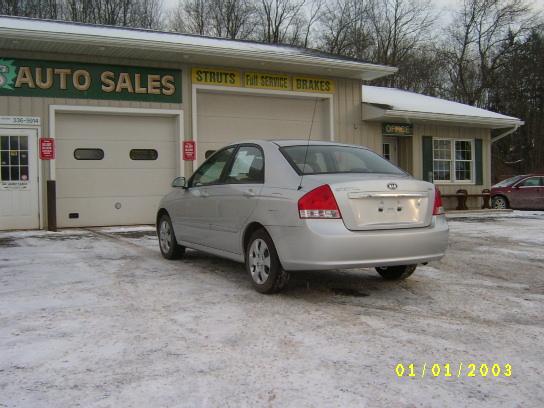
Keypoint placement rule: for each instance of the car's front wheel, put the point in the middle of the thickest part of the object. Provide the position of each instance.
(167, 239)
(263, 264)
(499, 203)
(398, 272)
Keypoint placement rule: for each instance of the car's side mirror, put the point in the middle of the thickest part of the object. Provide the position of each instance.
(179, 182)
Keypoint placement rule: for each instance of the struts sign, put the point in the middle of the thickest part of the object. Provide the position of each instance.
(91, 81)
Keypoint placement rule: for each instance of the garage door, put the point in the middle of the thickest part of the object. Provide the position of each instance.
(113, 169)
(225, 118)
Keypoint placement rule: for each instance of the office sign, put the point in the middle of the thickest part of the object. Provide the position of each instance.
(397, 129)
(54, 79)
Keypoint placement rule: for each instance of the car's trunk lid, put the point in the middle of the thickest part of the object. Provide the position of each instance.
(380, 201)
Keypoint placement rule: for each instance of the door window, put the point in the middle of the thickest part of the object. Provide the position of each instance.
(210, 172)
(248, 166)
(531, 182)
(387, 151)
(14, 158)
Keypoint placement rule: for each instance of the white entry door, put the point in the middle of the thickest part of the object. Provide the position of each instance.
(390, 148)
(19, 202)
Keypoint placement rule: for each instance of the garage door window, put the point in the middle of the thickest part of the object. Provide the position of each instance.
(143, 154)
(14, 158)
(248, 166)
(88, 154)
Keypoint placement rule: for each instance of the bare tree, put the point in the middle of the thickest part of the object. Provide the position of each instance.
(481, 35)
(280, 20)
(31, 8)
(232, 18)
(398, 28)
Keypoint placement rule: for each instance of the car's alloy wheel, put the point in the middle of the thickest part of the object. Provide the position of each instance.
(500, 203)
(263, 264)
(398, 272)
(167, 239)
(259, 261)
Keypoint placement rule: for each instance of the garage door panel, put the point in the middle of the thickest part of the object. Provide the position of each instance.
(263, 107)
(90, 127)
(115, 190)
(218, 130)
(226, 118)
(101, 211)
(116, 154)
(118, 183)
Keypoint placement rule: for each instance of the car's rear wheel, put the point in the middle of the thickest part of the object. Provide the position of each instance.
(167, 239)
(499, 203)
(398, 272)
(263, 264)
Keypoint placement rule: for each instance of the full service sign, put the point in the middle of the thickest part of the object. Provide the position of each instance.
(49, 79)
(262, 80)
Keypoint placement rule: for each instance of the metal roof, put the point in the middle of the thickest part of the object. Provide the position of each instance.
(27, 34)
(396, 104)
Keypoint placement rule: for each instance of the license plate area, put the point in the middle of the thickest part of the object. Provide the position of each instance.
(373, 211)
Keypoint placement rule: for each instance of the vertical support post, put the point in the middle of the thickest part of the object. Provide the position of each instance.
(51, 205)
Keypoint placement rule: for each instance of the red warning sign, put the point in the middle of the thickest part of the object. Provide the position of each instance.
(47, 148)
(189, 150)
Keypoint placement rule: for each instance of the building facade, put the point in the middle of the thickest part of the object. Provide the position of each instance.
(94, 120)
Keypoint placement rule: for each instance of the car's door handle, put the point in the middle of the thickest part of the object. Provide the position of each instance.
(205, 193)
(249, 193)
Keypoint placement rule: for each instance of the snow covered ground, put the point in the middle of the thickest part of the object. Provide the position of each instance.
(96, 318)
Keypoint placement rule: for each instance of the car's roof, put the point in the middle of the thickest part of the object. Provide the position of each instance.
(298, 142)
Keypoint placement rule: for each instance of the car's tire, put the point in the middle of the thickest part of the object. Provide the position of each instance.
(398, 272)
(263, 265)
(167, 239)
(500, 203)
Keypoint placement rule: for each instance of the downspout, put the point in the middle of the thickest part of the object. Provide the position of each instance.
(508, 132)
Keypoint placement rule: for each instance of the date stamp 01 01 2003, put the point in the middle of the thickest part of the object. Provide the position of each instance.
(453, 370)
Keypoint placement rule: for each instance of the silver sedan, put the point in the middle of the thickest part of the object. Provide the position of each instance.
(281, 206)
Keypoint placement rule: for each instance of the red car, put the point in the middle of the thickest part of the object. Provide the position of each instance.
(519, 192)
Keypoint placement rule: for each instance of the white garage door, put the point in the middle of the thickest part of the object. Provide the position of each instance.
(113, 169)
(225, 118)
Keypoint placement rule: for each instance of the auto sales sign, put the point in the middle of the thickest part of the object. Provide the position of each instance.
(49, 79)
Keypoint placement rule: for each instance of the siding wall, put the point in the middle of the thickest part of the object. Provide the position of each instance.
(410, 153)
(39, 107)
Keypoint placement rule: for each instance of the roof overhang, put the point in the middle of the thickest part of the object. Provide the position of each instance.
(379, 113)
(19, 34)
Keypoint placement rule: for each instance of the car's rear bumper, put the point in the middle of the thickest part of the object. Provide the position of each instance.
(327, 244)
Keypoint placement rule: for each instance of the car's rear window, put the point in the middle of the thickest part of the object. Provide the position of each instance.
(327, 159)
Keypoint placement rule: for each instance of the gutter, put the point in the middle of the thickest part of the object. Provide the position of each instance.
(508, 132)
(482, 121)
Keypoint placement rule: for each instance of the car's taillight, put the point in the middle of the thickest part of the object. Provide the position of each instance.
(319, 203)
(438, 209)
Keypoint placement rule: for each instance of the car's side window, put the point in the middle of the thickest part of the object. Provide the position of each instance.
(247, 167)
(530, 182)
(210, 172)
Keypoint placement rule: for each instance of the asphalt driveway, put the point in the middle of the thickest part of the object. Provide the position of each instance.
(97, 318)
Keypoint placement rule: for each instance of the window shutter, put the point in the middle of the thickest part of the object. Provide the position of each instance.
(479, 168)
(427, 154)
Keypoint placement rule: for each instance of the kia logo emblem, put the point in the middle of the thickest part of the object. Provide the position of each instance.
(392, 186)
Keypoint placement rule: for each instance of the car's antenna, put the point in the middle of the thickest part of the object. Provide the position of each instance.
(308, 145)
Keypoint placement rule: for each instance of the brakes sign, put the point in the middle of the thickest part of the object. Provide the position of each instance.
(189, 150)
(47, 148)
